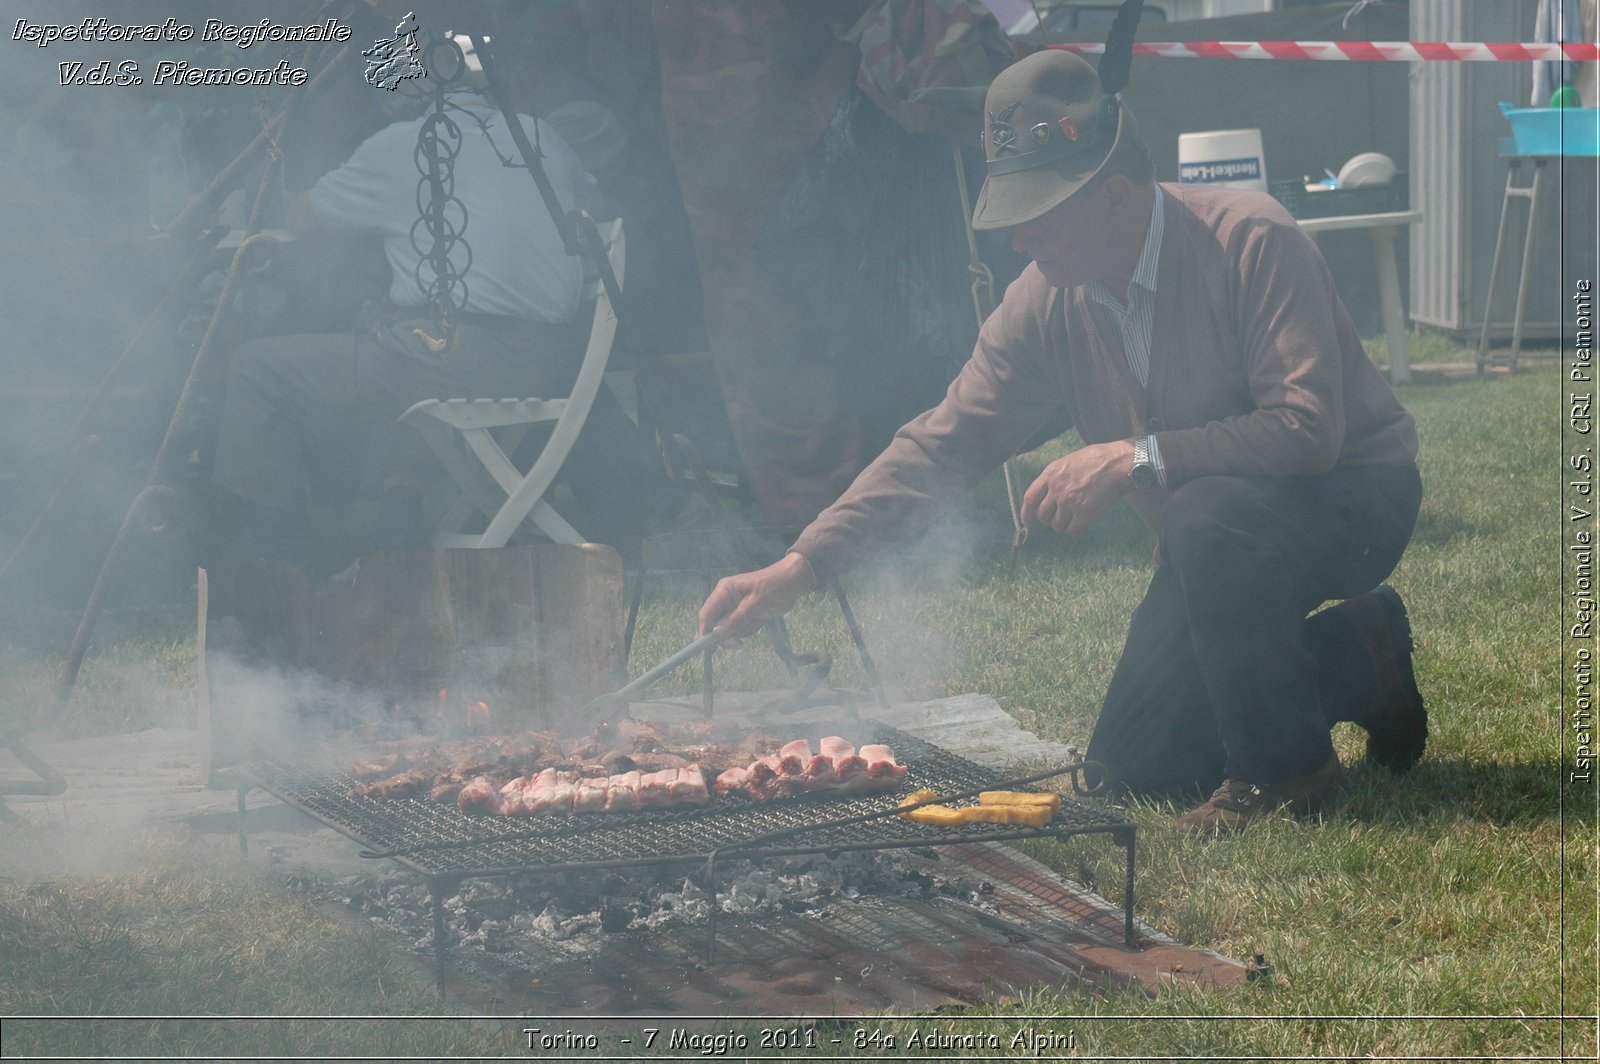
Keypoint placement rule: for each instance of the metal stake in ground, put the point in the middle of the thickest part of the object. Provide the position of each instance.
(155, 484)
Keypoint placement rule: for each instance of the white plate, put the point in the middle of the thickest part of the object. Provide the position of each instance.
(1368, 168)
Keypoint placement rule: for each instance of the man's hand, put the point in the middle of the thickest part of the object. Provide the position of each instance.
(1073, 491)
(740, 604)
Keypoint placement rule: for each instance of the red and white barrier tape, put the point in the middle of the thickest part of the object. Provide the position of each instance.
(1359, 51)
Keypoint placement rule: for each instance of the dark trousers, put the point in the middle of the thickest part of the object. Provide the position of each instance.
(1223, 674)
(306, 409)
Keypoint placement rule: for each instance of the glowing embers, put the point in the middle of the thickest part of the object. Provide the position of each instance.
(462, 715)
(553, 792)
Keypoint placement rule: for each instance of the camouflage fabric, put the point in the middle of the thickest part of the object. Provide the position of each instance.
(747, 89)
(830, 247)
(908, 45)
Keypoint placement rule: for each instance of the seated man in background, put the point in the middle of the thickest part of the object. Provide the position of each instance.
(300, 407)
(547, 45)
(1193, 335)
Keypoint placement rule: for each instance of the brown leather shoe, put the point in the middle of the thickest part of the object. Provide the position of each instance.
(1236, 803)
(1397, 726)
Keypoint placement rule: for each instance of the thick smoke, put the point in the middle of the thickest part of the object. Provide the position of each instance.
(97, 173)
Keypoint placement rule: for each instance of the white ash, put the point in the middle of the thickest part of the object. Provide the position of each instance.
(571, 913)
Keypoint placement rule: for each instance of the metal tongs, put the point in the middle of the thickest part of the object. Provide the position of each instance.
(615, 704)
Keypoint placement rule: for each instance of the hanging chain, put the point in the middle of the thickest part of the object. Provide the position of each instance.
(441, 216)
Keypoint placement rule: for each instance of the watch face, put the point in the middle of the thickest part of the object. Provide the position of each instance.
(1143, 476)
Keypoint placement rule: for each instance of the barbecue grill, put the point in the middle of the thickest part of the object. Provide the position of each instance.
(445, 845)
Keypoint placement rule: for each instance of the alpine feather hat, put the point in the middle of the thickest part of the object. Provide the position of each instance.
(1048, 129)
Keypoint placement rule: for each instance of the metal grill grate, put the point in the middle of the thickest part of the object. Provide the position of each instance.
(437, 839)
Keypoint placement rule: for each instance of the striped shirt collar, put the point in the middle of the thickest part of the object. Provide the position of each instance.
(1144, 271)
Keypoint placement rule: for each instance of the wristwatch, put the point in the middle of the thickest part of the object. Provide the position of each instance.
(1143, 473)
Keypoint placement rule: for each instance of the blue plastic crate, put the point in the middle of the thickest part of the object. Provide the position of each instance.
(1551, 130)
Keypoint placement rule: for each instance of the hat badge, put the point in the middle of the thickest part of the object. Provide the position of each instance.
(1001, 131)
(1040, 133)
(1069, 127)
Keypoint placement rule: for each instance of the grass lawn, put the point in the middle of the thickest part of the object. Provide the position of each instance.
(1448, 913)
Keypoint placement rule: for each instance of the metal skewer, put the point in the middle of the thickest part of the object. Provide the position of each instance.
(619, 699)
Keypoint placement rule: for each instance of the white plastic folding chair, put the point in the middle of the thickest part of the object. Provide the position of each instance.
(475, 439)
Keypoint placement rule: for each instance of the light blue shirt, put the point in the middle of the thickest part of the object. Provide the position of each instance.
(1135, 318)
(519, 266)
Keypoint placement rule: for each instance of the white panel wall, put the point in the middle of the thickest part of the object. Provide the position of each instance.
(1458, 180)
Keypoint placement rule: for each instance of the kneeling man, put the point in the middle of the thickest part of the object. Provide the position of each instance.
(1194, 336)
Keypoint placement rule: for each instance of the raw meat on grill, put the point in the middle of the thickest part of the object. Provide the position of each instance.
(402, 785)
(445, 791)
(847, 763)
(820, 772)
(881, 763)
(732, 780)
(655, 788)
(839, 769)
(624, 747)
(553, 798)
(793, 757)
(376, 768)
(690, 786)
(634, 765)
(552, 791)
(622, 792)
(480, 795)
(590, 795)
(833, 748)
(764, 770)
(513, 798)
(673, 786)
(547, 791)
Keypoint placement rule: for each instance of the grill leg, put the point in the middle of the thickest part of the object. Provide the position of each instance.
(436, 899)
(778, 631)
(1126, 838)
(634, 598)
(711, 924)
(860, 641)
